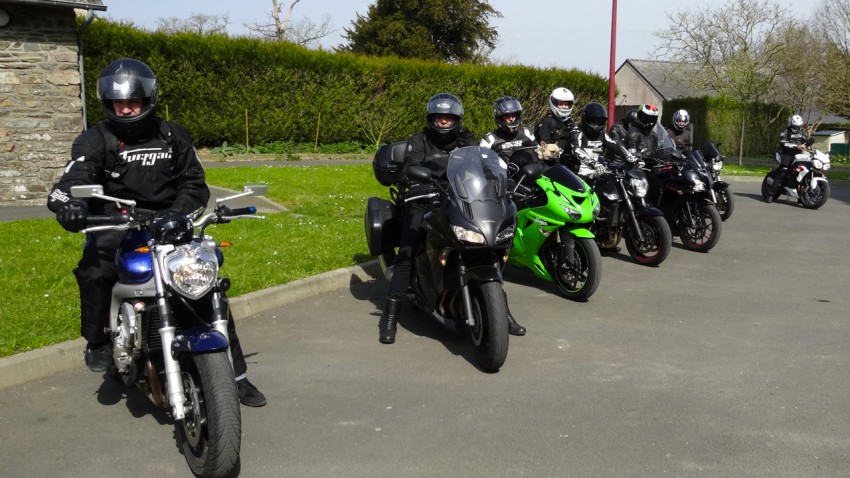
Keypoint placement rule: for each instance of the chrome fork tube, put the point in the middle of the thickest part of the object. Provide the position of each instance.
(173, 379)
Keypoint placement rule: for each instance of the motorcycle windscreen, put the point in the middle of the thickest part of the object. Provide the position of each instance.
(476, 174)
(562, 175)
(478, 182)
(664, 140)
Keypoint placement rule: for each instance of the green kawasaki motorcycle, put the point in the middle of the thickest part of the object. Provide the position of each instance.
(553, 237)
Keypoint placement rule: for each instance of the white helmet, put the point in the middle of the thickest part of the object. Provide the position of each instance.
(681, 119)
(795, 122)
(561, 94)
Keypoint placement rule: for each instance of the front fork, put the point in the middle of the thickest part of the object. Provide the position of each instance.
(167, 332)
(173, 379)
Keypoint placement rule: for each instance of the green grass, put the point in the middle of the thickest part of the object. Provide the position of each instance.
(322, 231)
(731, 168)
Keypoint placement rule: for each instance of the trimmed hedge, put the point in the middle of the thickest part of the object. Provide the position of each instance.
(719, 120)
(209, 82)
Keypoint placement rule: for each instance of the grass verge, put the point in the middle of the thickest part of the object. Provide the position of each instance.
(322, 231)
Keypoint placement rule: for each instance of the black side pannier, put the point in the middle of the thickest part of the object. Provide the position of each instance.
(383, 227)
(388, 162)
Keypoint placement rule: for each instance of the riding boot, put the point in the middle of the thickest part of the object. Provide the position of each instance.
(778, 179)
(389, 319)
(513, 327)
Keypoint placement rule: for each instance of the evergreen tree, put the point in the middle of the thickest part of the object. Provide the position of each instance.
(455, 31)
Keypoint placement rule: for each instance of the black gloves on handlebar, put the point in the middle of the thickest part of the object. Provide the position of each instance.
(72, 216)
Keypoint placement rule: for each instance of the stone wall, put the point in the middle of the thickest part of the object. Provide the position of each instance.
(40, 106)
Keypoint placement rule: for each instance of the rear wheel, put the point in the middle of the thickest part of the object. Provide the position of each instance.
(656, 244)
(812, 197)
(725, 203)
(765, 188)
(699, 226)
(489, 334)
(211, 431)
(579, 278)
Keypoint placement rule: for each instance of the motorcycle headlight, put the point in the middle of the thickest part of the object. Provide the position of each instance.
(574, 215)
(191, 270)
(717, 165)
(699, 185)
(639, 186)
(465, 235)
(506, 233)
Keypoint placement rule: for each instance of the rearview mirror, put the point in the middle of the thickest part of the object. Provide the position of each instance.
(256, 189)
(86, 190)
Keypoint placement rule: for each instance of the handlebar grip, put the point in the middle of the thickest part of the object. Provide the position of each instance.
(239, 211)
(98, 220)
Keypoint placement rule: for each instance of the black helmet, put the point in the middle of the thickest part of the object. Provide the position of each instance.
(126, 79)
(647, 118)
(444, 104)
(594, 118)
(630, 118)
(507, 105)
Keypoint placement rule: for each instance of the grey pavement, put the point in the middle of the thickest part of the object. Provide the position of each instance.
(729, 363)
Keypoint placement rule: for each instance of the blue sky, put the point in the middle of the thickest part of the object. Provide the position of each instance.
(542, 33)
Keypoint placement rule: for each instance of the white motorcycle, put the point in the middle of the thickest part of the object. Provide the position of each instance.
(804, 181)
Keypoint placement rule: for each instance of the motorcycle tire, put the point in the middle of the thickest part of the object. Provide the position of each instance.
(211, 432)
(765, 188)
(725, 203)
(489, 334)
(813, 198)
(704, 233)
(656, 244)
(578, 281)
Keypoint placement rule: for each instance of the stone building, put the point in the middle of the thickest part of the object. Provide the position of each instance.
(41, 108)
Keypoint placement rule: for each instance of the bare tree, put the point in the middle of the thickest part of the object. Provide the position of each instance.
(832, 20)
(735, 48)
(197, 23)
(283, 28)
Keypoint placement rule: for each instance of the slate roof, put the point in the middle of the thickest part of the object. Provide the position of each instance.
(660, 76)
(663, 76)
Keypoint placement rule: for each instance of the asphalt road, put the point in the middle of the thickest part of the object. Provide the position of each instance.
(730, 363)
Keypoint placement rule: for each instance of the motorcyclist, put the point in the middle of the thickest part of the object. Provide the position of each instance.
(135, 155)
(443, 133)
(680, 131)
(514, 143)
(553, 130)
(641, 136)
(618, 130)
(792, 140)
(590, 136)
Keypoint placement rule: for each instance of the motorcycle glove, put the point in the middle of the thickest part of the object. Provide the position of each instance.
(72, 216)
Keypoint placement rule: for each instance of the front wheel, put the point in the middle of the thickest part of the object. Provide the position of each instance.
(813, 197)
(579, 278)
(725, 203)
(656, 244)
(211, 431)
(699, 226)
(489, 333)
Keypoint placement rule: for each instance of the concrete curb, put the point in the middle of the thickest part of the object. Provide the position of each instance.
(35, 364)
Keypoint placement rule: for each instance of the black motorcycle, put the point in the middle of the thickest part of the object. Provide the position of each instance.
(724, 201)
(679, 185)
(469, 228)
(624, 213)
